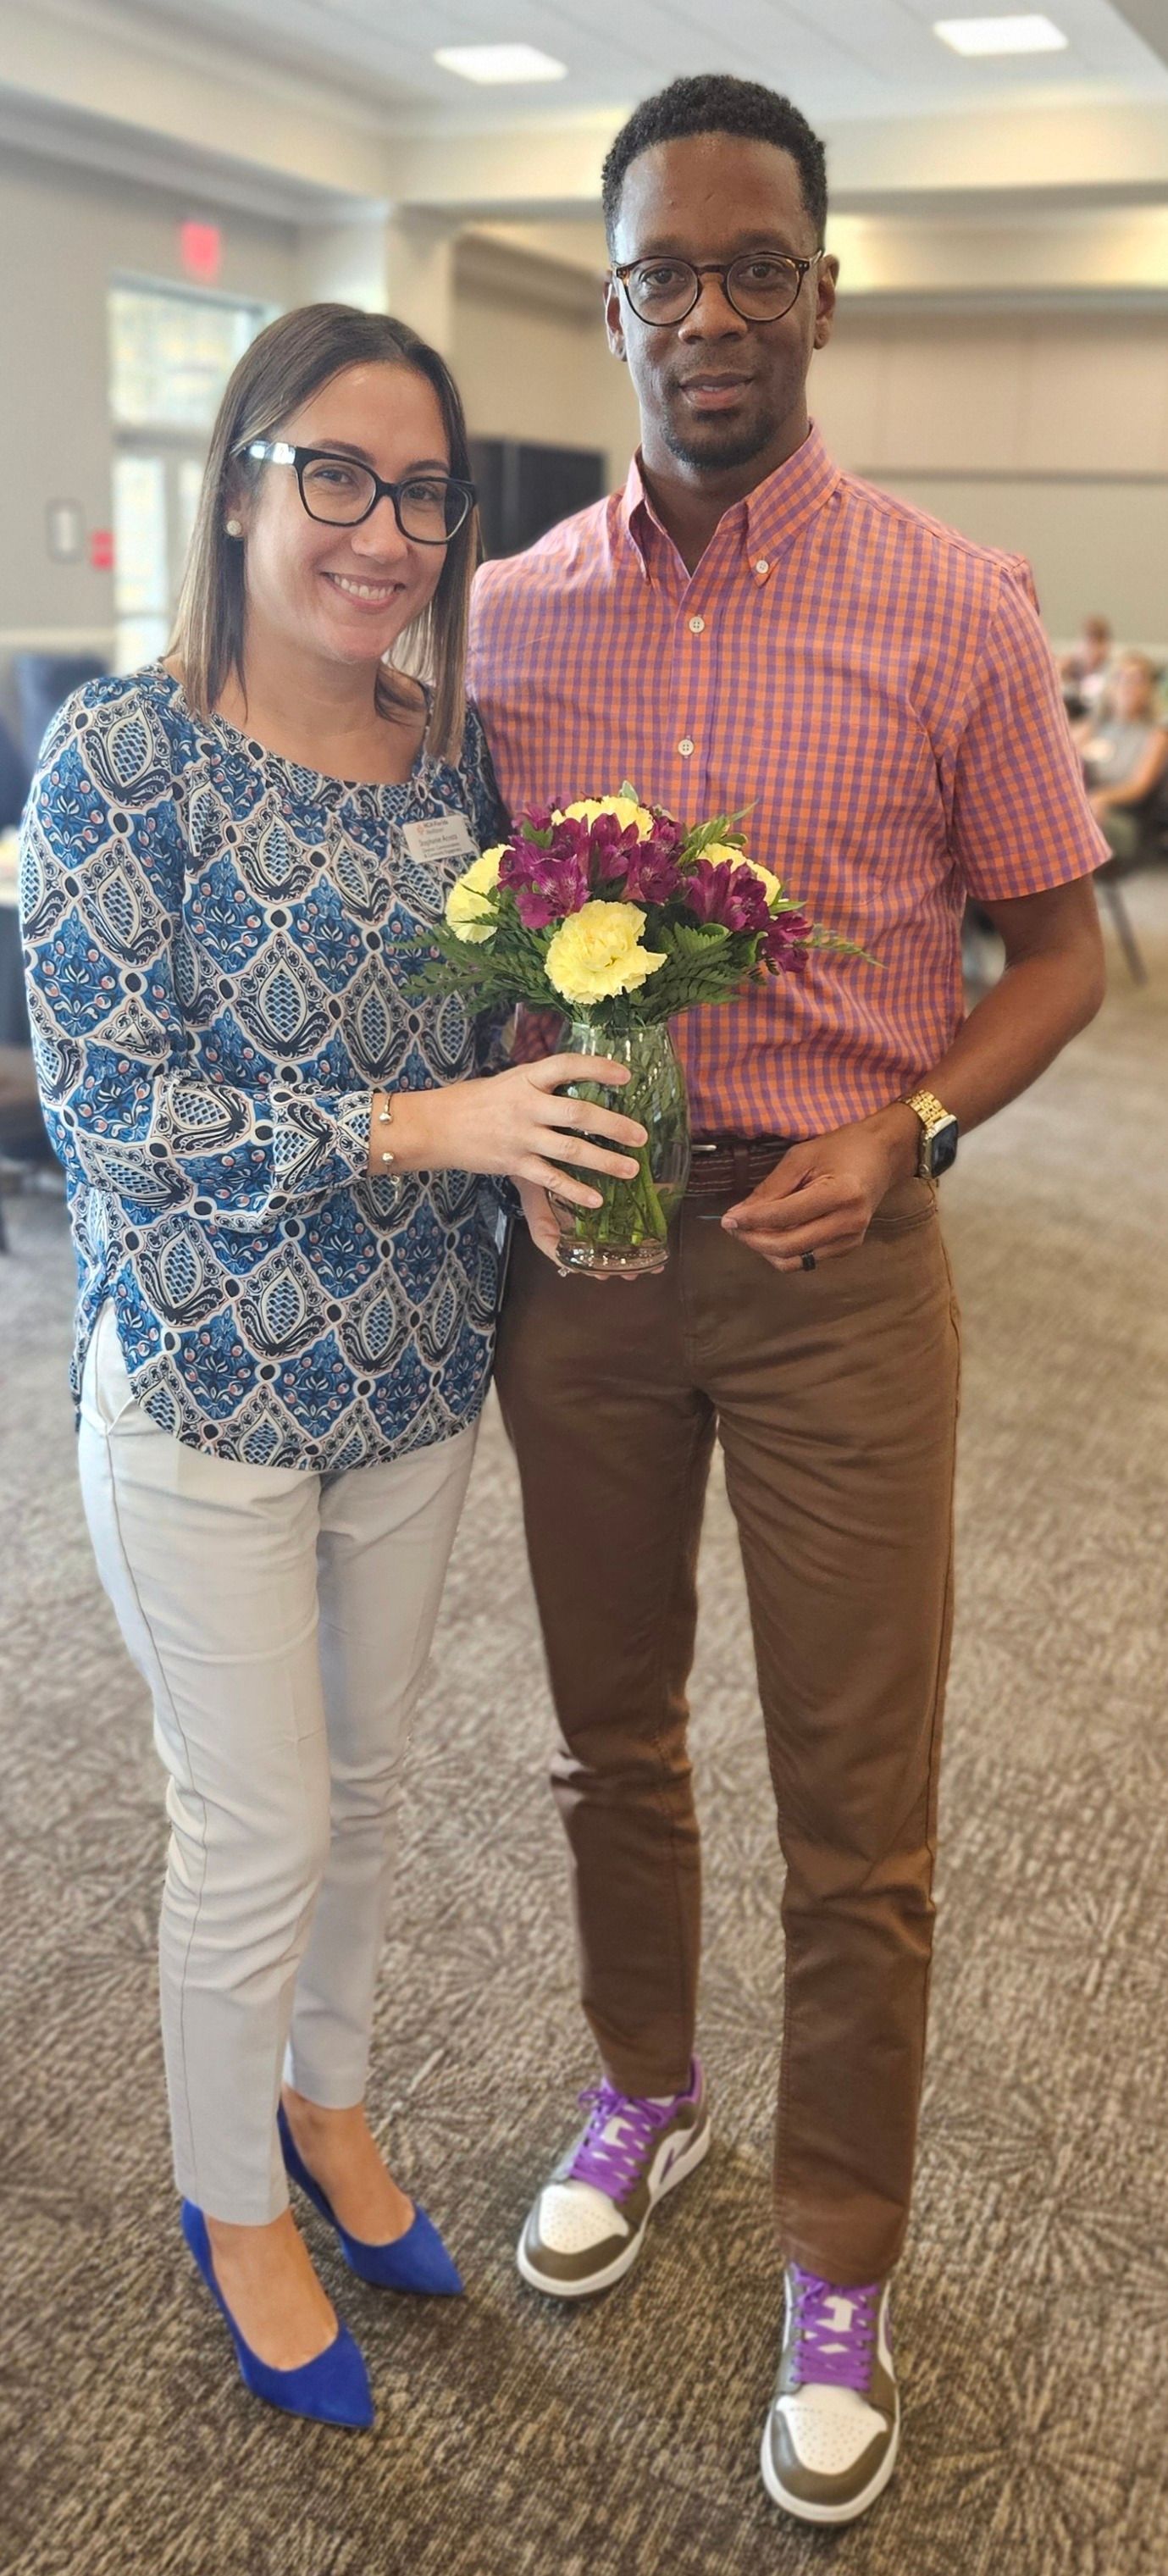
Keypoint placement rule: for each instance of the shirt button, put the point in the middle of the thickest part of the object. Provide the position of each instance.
(697, 626)
(685, 747)
(762, 566)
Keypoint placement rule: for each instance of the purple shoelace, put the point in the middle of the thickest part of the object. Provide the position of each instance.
(826, 2351)
(612, 2164)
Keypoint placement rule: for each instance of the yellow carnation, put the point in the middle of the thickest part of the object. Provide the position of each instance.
(722, 853)
(596, 952)
(625, 808)
(466, 914)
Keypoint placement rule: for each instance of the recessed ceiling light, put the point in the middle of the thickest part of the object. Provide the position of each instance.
(1000, 35)
(500, 63)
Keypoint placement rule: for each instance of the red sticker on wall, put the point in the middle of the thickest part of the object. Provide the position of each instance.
(101, 549)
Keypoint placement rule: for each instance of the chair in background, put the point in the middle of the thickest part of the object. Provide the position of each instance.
(23, 1140)
(1107, 878)
(14, 779)
(981, 950)
(1149, 848)
(43, 682)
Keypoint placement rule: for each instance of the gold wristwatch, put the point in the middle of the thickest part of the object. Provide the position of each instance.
(939, 1134)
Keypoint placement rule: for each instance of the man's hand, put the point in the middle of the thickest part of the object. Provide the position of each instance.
(822, 1196)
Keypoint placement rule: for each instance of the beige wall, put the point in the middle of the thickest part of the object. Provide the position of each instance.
(64, 235)
(977, 393)
(1044, 433)
(536, 374)
(1047, 434)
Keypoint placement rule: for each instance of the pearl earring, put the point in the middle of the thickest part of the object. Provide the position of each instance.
(234, 527)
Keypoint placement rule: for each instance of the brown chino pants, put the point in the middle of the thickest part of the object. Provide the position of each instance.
(834, 1395)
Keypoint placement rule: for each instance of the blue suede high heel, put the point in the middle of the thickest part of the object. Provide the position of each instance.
(333, 2389)
(416, 2261)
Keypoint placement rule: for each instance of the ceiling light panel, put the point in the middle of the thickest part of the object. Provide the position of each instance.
(1000, 35)
(495, 64)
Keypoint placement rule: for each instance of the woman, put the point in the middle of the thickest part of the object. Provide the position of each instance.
(287, 1266)
(1125, 754)
(1086, 669)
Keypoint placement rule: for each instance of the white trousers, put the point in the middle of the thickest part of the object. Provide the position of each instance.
(282, 1621)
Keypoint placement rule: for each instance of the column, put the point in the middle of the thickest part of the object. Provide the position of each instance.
(399, 262)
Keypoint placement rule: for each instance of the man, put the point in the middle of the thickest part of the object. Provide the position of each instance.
(745, 626)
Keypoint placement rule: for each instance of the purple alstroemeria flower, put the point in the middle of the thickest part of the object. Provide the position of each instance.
(667, 831)
(786, 941)
(653, 875)
(652, 854)
(606, 835)
(548, 883)
(650, 873)
(732, 896)
(610, 847)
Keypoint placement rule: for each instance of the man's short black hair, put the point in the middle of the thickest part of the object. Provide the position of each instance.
(717, 103)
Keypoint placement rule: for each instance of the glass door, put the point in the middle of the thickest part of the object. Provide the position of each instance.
(171, 353)
(156, 495)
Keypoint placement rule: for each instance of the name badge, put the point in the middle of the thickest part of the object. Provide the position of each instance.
(444, 836)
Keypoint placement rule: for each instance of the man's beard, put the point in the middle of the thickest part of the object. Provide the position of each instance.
(735, 449)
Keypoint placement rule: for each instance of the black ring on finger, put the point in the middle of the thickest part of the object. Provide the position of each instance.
(807, 1260)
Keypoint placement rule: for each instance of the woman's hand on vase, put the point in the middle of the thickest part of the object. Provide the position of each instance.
(540, 1219)
(519, 1123)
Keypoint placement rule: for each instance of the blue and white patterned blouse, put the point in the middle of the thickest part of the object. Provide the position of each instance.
(212, 1004)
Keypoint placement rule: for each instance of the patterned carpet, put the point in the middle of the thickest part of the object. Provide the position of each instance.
(514, 2439)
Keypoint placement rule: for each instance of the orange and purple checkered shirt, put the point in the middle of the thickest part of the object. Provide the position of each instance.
(879, 692)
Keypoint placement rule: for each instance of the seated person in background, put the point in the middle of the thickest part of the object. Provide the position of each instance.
(1086, 669)
(1125, 754)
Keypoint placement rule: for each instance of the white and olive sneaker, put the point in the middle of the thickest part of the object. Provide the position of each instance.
(831, 2437)
(588, 2224)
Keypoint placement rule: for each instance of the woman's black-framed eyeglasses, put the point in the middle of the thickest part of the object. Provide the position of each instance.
(339, 492)
(761, 286)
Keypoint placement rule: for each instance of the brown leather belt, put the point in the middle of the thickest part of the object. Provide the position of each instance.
(731, 1165)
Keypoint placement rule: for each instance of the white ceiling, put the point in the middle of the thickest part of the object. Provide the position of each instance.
(837, 58)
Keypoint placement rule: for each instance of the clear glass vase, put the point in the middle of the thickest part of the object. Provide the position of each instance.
(631, 1231)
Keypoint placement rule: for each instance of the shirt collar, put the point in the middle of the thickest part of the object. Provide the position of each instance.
(767, 519)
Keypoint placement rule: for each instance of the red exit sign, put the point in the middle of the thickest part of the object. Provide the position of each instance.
(201, 251)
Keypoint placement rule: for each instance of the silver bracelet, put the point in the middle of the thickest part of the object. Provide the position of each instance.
(385, 1119)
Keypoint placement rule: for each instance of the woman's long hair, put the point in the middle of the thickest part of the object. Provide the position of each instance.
(287, 364)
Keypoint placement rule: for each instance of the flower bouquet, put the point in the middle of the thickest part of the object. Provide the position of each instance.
(606, 912)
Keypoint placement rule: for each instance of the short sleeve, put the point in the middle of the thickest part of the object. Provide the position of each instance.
(1020, 822)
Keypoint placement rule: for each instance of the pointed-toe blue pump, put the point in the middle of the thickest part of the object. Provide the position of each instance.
(417, 2261)
(332, 2389)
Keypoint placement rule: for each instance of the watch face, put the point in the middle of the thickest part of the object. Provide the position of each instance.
(943, 1148)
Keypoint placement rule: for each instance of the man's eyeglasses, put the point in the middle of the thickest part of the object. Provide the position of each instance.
(761, 286)
(429, 508)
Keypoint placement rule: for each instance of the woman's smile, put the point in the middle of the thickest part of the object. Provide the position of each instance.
(366, 593)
